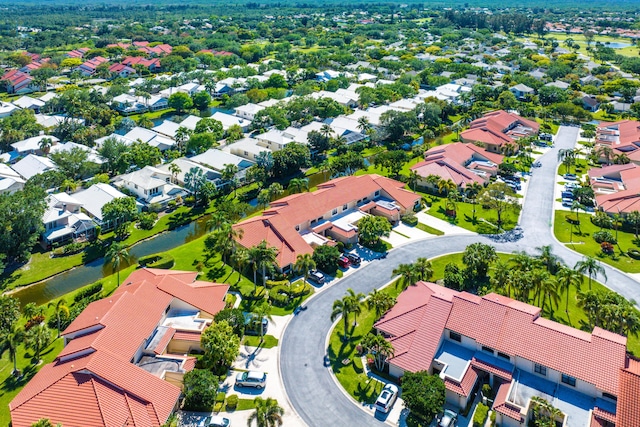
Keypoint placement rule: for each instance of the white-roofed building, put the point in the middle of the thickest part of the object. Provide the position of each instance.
(218, 159)
(48, 96)
(26, 102)
(126, 141)
(10, 180)
(276, 140)
(48, 121)
(32, 145)
(150, 185)
(190, 122)
(228, 120)
(7, 109)
(185, 166)
(150, 137)
(33, 165)
(94, 198)
(167, 128)
(248, 111)
(248, 148)
(345, 98)
(92, 154)
(64, 221)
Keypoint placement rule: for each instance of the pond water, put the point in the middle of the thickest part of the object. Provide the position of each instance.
(95, 270)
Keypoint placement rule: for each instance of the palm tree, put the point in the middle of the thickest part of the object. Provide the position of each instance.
(175, 170)
(32, 310)
(267, 414)
(68, 185)
(10, 339)
(217, 220)
(350, 303)
(380, 302)
(298, 185)
(606, 152)
(363, 125)
(260, 257)
(568, 157)
(326, 131)
(591, 267)
(634, 219)
(225, 240)
(116, 255)
(383, 349)
(260, 312)
(500, 278)
(568, 278)
(423, 268)
(36, 339)
(182, 135)
(275, 190)
(59, 307)
(548, 259)
(446, 186)
(229, 175)
(240, 259)
(304, 263)
(621, 159)
(408, 275)
(45, 145)
(413, 179)
(472, 190)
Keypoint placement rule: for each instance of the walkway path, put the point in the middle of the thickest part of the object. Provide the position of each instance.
(309, 385)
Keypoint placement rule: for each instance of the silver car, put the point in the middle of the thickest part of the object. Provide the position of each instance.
(215, 421)
(448, 419)
(255, 379)
(387, 398)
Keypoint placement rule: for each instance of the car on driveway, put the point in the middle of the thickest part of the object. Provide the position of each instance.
(570, 176)
(354, 259)
(447, 419)
(215, 421)
(343, 261)
(255, 379)
(316, 276)
(387, 398)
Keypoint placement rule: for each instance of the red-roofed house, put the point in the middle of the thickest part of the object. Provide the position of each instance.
(18, 82)
(622, 137)
(497, 129)
(159, 50)
(121, 70)
(467, 339)
(77, 53)
(88, 68)
(152, 64)
(617, 188)
(462, 163)
(295, 224)
(124, 355)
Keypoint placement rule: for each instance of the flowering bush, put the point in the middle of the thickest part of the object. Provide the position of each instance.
(607, 248)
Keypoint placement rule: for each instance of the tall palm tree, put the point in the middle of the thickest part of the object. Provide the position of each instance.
(260, 312)
(240, 259)
(326, 131)
(298, 185)
(568, 278)
(225, 240)
(363, 125)
(10, 339)
(116, 255)
(182, 135)
(380, 302)
(304, 263)
(472, 190)
(267, 414)
(229, 175)
(45, 145)
(548, 259)
(500, 278)
(217, 220)
(261, 256)
(606, 152)
(446, 186)
(591, 267)
(634, 219)
(413, 179)
(423, 268)
(36, 339)
(408, 275)
(175, 170)
(350, 303)
(60, 306)
(383, 349)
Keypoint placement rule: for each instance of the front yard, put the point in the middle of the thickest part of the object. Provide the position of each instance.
(485, 219)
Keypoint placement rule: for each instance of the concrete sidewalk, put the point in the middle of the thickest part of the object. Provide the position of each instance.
(444, 226)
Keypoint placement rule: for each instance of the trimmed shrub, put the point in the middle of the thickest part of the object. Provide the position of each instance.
(604, 236)
(634, 253)
(147, 220)
(88, 291)
(300, 290)
(232, 402)
(257, 295)
(272, 283)
(70, 249)
(162, 261)
(480, 416)
(279, 296)
(571, 220)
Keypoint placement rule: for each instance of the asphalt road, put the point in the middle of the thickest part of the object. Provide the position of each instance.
(309, 385)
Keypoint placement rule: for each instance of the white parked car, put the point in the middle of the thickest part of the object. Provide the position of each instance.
(387, 398)
(215, 421)
(251, 379)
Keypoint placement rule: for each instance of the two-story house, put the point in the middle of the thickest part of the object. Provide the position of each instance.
(63, 220)
(150, 185)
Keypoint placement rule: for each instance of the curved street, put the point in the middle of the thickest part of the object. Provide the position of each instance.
(314, 395)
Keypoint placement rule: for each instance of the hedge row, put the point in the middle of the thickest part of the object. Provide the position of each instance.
(281, 295)
(162, 261)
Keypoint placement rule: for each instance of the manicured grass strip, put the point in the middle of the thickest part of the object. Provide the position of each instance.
(428, 229)
(580, 239)
(245, 404)
(401, 234)
(254, 341)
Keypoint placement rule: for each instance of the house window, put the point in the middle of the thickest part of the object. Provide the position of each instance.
(365, 199)
(609, 396)
(335, 211)
(377, 193)
(320, 219)
(487, 349)
(246, 153)
(505, 356)
(344, 207)
(297, 228)
(540, 369)
(313, 221)
(569, 380)
(455, 336)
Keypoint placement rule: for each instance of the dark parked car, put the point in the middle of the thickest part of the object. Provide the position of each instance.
(354, 259)
(343, 261)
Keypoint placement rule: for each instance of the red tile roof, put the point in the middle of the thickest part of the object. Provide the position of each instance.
(277, 223)
(464, 387)
(628, 408)
(501, 404)
(506, 325)
(495, 128)
(95, 366)
(495, 370)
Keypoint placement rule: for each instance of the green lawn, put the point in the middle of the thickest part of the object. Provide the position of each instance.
(580, 168)
(254, 341)
(464, 215)
(428, 229)
(582, 241)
